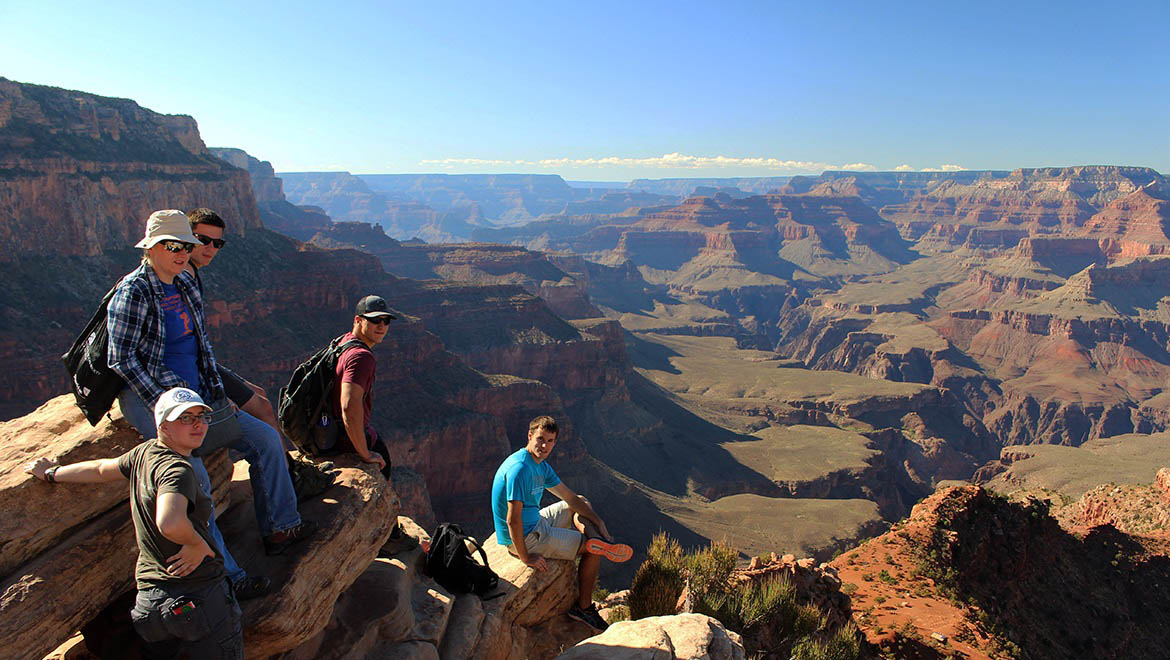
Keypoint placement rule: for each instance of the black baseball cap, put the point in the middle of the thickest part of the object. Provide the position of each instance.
(373, 306)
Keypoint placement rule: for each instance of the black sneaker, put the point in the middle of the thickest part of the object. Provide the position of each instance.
(251, 587)
(588, 616)
(309, 479)
(275, 544)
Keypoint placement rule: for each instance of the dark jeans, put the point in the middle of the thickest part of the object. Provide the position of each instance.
(381, 448)
(211, 630)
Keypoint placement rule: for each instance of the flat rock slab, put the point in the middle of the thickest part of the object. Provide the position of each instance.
(355, 516)
(35, 516)
(681, 637)
(44, 602)
(68, 549)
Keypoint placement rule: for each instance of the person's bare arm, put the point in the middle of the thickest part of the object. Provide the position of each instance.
(97, 471)
(516, 531)
(171, 518)
(353, 416)
(581, 508)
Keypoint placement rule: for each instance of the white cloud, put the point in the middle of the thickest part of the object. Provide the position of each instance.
(944, 168)
(671, 161)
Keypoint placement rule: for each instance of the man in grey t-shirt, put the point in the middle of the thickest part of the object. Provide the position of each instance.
(185, 603)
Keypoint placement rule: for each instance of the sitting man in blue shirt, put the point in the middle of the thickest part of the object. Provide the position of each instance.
(565, 530)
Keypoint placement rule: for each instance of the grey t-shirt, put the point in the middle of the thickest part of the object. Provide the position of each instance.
(153, 469)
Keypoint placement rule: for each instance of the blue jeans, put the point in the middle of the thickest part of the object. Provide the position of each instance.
(273, 496)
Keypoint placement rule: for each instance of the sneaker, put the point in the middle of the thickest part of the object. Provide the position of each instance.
(615, 552)
(588, 616)
(309, 479)
(251, 587)
(275, 544)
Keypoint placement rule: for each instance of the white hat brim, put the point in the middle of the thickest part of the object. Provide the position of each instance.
(184, 407)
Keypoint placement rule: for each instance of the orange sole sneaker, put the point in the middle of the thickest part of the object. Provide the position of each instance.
(615, 552)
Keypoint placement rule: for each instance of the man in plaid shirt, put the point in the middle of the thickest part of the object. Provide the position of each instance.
(137, 354)
(158, 340)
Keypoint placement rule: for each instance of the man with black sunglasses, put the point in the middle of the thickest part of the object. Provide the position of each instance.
(354, 378)
(208, 227)
(308, 479)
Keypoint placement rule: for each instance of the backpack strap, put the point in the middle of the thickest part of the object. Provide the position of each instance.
(479, 548)
(352, 343)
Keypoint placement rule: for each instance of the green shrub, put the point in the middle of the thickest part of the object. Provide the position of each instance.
(618, 613)
(768, 612)
(763, 599)
(842, 645)
(659, 581)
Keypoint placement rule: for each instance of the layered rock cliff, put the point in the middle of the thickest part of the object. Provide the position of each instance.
(1036, 201)
(79, 173)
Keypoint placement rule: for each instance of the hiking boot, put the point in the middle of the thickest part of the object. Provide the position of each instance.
(615, 552)
(275, 544)
(399, 541)
(588, 616)
(251, 587)
(309, 479)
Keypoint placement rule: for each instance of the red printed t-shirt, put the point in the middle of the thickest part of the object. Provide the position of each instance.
(356, 365)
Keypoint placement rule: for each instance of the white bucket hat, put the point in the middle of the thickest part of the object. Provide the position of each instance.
(169, 225)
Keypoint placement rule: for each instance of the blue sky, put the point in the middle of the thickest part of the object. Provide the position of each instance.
(617, 90)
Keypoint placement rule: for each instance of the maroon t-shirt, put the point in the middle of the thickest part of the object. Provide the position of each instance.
(356, 365)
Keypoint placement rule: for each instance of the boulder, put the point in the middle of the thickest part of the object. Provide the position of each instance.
(680, 636)
(67, 549)
(529, 598)
(462, 628)
(376, 608)
(355, 516)
(35, 516)
(45, 600)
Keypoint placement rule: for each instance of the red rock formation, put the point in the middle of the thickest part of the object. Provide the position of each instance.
(114, 161)
(989, 574)
(1035, 201)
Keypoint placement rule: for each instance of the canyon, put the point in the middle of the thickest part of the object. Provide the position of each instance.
(782, 364)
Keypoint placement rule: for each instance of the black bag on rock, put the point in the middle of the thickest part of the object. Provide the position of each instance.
(93, 383)
(450, 563)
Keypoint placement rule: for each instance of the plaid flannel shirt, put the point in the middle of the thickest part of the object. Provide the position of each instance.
(138, 336)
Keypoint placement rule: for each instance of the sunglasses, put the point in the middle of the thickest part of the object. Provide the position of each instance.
(378, 320)
(187, 419)
(177, 246)
(207, 240)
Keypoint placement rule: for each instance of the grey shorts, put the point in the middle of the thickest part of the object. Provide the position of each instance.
(554, 536)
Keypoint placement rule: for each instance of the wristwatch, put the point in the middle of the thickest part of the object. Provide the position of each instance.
(51, 474)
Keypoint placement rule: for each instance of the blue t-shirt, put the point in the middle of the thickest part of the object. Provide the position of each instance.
(523, 479)
(181, 353)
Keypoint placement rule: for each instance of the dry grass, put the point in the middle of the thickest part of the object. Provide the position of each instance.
(801, 453)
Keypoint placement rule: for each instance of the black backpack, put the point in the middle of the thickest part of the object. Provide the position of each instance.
(304, 406)
(93, 383)
(451, 565)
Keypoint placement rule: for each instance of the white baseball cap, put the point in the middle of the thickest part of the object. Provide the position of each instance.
(175, 402)
(169, 225)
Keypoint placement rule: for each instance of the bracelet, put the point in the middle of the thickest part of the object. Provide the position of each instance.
(51, 474)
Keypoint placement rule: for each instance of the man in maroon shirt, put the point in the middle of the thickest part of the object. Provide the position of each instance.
(356, 368)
